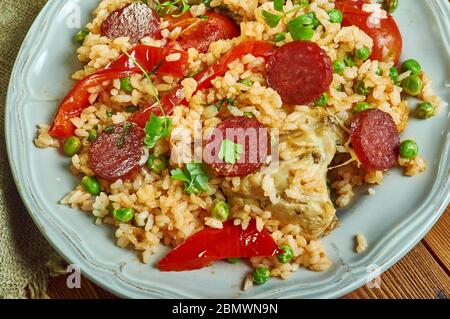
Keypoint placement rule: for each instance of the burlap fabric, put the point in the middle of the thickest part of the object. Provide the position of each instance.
(24, 253)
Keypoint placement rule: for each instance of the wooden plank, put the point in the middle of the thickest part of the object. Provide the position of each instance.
(437, 241)
(417, 275)
(57, 289)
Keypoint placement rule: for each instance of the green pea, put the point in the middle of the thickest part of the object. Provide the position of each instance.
(91, 185)
(157, 164)
(322, 100)
(335, 16)
(425, 110)
(390, 5)
(286, 255)
(361, 89)
(349, 60)
(246, 81)
(363, 53)
(361, 106)
(72, 145)
(92, 135)
(261, 275)
(280, 37)
(221, 211)
(409, 149)
(250, 115)
(233, 260)
(412, 85)
(81, 35)
(411, 65)
(393, 74)
(125, 84)
(123, 215)
(338, 66)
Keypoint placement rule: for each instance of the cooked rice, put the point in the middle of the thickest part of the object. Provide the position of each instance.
(165, 214)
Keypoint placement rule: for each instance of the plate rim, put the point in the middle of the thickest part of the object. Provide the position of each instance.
(51, 235)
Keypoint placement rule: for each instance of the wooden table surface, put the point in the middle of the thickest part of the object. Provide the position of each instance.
(423, 273)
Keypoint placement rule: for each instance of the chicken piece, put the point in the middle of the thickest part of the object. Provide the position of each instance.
(295, 191)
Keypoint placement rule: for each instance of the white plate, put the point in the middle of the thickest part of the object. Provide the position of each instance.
(393, 220)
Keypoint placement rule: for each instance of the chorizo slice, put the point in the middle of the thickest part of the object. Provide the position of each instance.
(238, 146)
(118, 152)
(375, 139)
(135, 20)
(300, 72)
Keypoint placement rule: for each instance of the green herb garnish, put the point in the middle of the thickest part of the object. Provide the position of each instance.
(230, 152)
(194, 176)
(121, 140)
(156, 128)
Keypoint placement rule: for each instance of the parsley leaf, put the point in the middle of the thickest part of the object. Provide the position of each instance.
(194, 176)
(228, 101)
(301, 28)
(230, 152)
(278, 5)
(156, 128)
(271, 19)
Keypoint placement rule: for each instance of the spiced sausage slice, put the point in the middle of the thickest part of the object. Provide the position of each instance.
(238, 146)
(300, 72)
(118, 152)
(135, 20)
(375, 139)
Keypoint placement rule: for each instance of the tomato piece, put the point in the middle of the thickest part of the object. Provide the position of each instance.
(386, 36)
(77, 99)
(203, 31)
(175, 96)
(208, 245)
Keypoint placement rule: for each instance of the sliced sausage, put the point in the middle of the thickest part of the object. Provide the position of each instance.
(135, 20)
(375, 139)
(252, 150)
(300, 72)
(118, 152)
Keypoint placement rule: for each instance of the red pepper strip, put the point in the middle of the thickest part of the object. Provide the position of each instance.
(175, 97)
(151, 58)
(211, 244)
(78, 98)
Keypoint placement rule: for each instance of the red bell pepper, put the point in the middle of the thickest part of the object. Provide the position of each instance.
(78, 98)
(208, 245)
(175, 97)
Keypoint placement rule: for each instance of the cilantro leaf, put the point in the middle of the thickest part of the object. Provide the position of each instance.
(278, 5)
(156, 128)
(271, 19)
(230, 152)
(194, 176)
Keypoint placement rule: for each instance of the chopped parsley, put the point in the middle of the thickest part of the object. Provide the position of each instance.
(156, 128)
(131, 109)
(300, 28)
(278, 5)
(126, 128)
(227, 101)
(194, 176)
(230, 152)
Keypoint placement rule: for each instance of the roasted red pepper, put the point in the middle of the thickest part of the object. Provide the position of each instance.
(204, 78)
(208, 245)
(150, 58)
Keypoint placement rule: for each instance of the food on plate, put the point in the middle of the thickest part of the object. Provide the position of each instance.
(232, 130)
